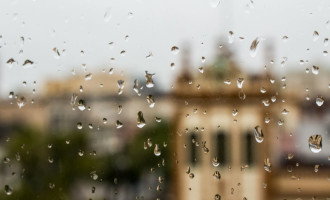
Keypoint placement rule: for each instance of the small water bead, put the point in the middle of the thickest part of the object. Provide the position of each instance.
(326, 41)
(315, 143)
(230, 37)
(80, 153)
(94, 175)
(88, 76)
(234, 112)
(217, 197)
(81, 105)
(267, 120)
(203, 59)
(217, 175)
(241, 95)
(140, 120)
(227, 82)
(11, 95)
(120, 109)
(319, 101)
(214, 3)
(21, 101)
(240, 82)
(105, 121)
(150, 82)
(157, 150)
(267, 165)
(263, 90)
(107, 15)
(119, 124)
(316, 168)
(285, 38)
(325, 53)
(111, 71)
(10, 62)
(258, 134)
(254, 47)
(290, 156)
(79, 125)
(151, 101)
(273, 99)
(175, 50)
(284, 112)
(157, 119)
(172, 65)
(266, 102)
(90, 126)
(280, 122)
(315, 35)
(149, 142)
(215, 162)
(201, 70)
(122, 52)
(8, 190)
(28, 63)
(315, 70)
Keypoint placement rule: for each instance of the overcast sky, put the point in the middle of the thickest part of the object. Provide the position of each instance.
(153, 26)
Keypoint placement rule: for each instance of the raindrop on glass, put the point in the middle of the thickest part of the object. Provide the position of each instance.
(259, 135)
(157, 150)
(140, 122)
(319, 101)
(254, 47)
(315, 143)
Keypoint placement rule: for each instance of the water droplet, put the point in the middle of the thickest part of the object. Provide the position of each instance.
(120, 109)
(149, 142)
(121, 85)
(326, 41)
(157, 150)
(315, 70)
(151, 101)
(290, 156)
(203, 59)
(325, 53)
(8, 190)
(10, 62)
(267, 120)
(81, 105)
(56, 53)
(240, 82)
(230, 37)
(88, 76)
(140, 120)
(315, 35)
(214, 3)
(215, 162)
(201, 70)
(11, 95)
(234, 112)
(267, 165)
(28, 63)
(241, 95)
(150, 55)
(227, 82)
(285, 38)
(175, 50)
(254, 47)
(150, 82)
(315, 143)
(259, 135)
(21, 101)
(79, 125)
(319, 101)
(217, 175)
(263, 90)
(191, 175)
(285, 112)
(217, 197)
(119, 124)
(107, 15)
(158, 119)
(266, 102)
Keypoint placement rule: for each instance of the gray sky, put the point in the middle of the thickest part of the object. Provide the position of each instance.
(155, 26)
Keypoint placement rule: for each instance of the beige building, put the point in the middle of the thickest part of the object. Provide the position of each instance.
(216, 118)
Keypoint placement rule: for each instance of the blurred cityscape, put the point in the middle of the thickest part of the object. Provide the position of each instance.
(219, 133)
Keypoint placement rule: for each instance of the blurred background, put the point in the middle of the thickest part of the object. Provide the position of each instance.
(146, 99)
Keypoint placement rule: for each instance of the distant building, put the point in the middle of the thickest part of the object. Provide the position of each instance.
(216, 118)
